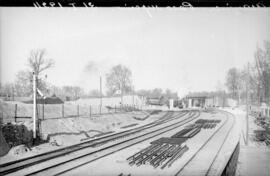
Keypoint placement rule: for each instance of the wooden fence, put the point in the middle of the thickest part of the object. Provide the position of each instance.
(21, 112)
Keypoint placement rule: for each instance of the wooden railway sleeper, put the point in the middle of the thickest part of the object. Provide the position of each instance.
(150, 151)
(149, 156)
(195, 132)
(153, 162)
(157, 153)
(171, 153)
(175, 152)
(140, 152)
(190, 132)
(145, 153)
(178, 155)
(140, 156)
(160, 160)
(181, 133)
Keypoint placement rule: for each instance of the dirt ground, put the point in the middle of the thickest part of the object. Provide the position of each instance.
(67, 131)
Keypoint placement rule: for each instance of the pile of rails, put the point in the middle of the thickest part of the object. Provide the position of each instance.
(263, 136)
(187, 132)
(165, 151)
(162, 152)
(205, 123)
(263, 122)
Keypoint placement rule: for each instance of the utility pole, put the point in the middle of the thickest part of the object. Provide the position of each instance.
(12, 92)
(34, 104)
(239, 96)
(247, 123)
(121, 96)
(133, 91)
(100, 88)
(223, 102)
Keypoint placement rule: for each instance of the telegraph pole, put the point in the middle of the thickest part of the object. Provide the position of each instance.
(12, 92)
(100, 88)
(247, 123)
(121, 97)
(34, 104)
(133, 91)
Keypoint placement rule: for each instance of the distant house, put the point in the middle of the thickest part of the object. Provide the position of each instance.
(155, 101)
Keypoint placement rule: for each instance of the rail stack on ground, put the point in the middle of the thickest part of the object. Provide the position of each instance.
(168, 150)
(162, 152)
(205, 123)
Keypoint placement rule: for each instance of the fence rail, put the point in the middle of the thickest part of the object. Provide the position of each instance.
(20, 112)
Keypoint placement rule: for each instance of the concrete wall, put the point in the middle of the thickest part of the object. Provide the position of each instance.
(231, 166)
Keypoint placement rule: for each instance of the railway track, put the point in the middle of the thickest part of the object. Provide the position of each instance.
(14, 166)
(75, 163)
(168, 149)
(162, 157)
(205, 171)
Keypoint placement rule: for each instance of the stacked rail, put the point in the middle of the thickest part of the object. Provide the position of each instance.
(205, 123)
(162, 152)
(168, 150)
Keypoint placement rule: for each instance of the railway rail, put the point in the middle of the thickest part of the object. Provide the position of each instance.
(163, 155)
(31, 161)
(205, 170)
(76, 162)
(169, 149)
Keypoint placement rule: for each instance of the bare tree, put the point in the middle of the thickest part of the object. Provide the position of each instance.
(78, 92)
(170, 94)
(7, 90)
(156, 93)
(72, 92)
(233, 82)
(23, 84)
(37, 61)
(262, 63)
(95, 93)
(119, 78)
(38, 64)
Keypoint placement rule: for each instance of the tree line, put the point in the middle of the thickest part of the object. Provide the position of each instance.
(253, 80)
(118, 81)
(158, 93)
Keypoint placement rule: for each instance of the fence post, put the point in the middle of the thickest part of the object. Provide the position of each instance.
(1, 119)
(78, 110)
(63, 111)
(43, 108)
(90, 111)
(16, 112)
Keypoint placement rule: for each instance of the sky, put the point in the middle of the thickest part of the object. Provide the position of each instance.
(181, 49)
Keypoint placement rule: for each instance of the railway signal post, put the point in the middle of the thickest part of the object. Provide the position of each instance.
(100, 89)
(34, 104)
(247, 110)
